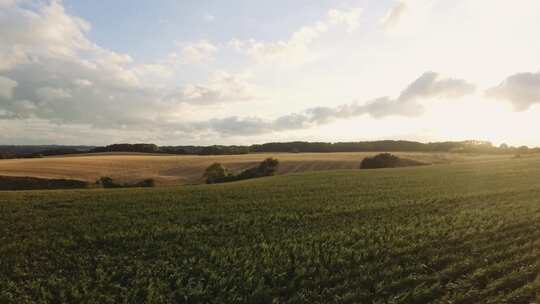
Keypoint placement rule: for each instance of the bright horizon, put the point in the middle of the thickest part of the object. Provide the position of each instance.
(203, 72)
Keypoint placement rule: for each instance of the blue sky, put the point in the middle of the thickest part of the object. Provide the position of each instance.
(242, 72)
(149, 28)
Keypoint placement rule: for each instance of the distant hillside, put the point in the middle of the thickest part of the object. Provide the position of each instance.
(13, 151)
(469, 146)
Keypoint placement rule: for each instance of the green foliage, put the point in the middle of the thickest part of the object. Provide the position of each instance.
(147, 183)
(462, 233)
(387, 160)
(107, 182)
(34, 183)
(141, 148)
(267, 167)
(217, 173)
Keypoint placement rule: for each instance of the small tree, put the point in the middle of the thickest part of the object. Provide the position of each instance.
(107, 182)
(216, 173)
(383, 160)
(387, 160)
(147, 183)
(267, 167)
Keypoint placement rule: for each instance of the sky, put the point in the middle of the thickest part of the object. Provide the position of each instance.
(208, 72)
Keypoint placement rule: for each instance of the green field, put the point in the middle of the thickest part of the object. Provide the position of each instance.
(455, 233)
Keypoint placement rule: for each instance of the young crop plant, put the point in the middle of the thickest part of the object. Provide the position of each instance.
(458, 233)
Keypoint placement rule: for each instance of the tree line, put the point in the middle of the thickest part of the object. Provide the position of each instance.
(469, 146)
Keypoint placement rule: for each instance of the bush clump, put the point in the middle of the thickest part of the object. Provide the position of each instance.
(267, 167)
(107, 182)
(387, 160)
(217, 173)
(34, 183)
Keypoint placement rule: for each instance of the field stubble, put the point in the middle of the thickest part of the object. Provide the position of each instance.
(188, 169)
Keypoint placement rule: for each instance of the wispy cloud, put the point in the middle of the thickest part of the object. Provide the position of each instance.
(202, 51)
(429, 85)
(394, 15)
(296, 48)
(222, 87)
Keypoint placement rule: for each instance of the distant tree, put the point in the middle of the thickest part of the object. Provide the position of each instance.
(141, 148)
(503, 146)
(387, 160)
(267, 167)
(383, 160)
(216, 173)
(211, 150)
(147, 183)
(107, 182)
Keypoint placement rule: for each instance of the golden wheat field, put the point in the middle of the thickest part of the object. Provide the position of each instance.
(188, 169)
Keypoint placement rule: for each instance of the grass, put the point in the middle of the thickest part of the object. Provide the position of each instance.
(174, 170)
(459, 233)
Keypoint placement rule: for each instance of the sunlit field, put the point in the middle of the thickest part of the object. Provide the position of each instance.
(451, 233)
(175, 170)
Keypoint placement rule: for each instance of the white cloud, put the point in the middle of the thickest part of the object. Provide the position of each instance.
(51, 94)
(296, 48)
(49, 30)
(202, 51)
(209, 17)
(429, 85)
(64, 81)
(83, 83)
(522, 90)
(7, 3)
(392, 18)
(222, 87)
(153, 73)
(65, 78)
(6, 87)
(350, 18)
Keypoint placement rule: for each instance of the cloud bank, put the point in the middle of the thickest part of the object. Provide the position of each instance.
(54, 73)
(428, 85)
(56, 83)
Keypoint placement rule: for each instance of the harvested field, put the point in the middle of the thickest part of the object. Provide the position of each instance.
(179, 169)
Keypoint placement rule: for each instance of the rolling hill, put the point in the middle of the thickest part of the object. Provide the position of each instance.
(188, 169)
(452, 233)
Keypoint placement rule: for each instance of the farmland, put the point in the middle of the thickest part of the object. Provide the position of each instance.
(465, 232)
(176, 170)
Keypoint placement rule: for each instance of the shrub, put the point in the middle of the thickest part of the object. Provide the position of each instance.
(267, 167)
(34, 183)
(147, 183)
(107, 182)
(216, 173)
(387, 160)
